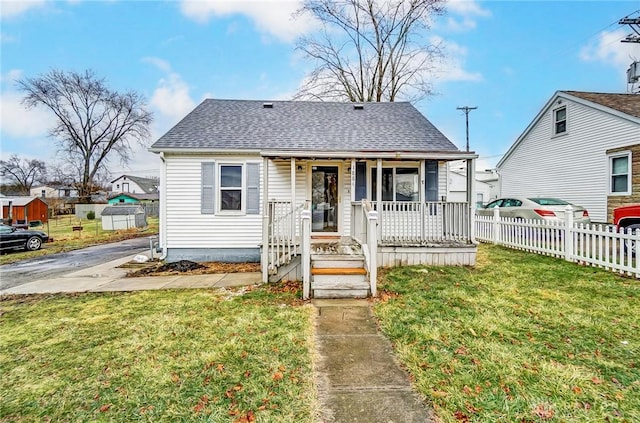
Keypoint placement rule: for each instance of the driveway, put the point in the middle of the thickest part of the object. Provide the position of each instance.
(55, 265)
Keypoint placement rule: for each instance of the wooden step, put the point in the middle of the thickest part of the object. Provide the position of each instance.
(340, 293)
(343, 283)
(337, 263)
(338, 271)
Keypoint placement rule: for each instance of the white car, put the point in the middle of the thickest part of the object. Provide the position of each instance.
(545, 208)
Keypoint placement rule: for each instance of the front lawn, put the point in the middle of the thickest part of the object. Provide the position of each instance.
(188, 355)
(519, 338)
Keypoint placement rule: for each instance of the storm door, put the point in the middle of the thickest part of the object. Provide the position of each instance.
(325, 203)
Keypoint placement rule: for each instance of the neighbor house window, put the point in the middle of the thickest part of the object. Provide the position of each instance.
(230, 187)
(620, 171)
(560, 120)
(398, 183)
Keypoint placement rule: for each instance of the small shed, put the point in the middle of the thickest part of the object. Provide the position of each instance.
(23, 210)
(125, 216)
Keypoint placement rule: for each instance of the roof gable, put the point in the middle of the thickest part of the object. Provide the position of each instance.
(626, 106)
(219, 125)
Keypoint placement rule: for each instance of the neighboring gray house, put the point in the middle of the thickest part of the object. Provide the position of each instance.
(134, 185)
(582, 147)
(239, 178)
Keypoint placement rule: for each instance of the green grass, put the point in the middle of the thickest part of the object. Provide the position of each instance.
(518, 338)
(188, 355)
(65, 239)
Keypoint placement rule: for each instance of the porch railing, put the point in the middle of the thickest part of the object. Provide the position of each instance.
(410, 222)
(365, 232)
(283, 244)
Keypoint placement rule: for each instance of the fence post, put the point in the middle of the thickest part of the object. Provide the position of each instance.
(372, 243)
(568, 233)
(495, 226)
(305, 217)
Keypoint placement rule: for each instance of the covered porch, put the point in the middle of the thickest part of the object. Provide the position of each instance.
(332, 221)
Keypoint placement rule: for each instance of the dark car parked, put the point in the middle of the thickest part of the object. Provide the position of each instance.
(12, 238)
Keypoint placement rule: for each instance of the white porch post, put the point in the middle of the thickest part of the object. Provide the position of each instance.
(372, 242)
(265, 221)
(293, 200)
(423, 198)
(306, 253)
(379, 195)
(471, 197)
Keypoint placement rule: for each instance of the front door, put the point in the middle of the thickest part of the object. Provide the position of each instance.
(325, 205)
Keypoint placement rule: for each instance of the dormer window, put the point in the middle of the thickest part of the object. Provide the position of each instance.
(560, 120)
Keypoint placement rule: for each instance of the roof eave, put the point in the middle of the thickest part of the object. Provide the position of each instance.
(440, 155)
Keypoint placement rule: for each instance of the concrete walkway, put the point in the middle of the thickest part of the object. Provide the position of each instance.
(359, 379)
(109, 277)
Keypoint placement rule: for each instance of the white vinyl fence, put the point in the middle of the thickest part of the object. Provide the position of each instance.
(596, 245)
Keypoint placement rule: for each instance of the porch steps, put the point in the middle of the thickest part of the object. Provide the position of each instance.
(339, 276)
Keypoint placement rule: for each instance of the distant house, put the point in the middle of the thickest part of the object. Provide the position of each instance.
(134, 185)
(133, 198)
(60, 198)
(245, 180)
(23, 210)
(54, 191)
(486, 184)
(582, 147)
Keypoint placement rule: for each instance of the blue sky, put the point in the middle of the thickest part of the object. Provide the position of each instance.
(505, 57)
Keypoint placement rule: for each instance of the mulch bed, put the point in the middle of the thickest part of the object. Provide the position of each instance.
(189, 267)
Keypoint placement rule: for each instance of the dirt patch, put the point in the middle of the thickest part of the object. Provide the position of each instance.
(183, 267)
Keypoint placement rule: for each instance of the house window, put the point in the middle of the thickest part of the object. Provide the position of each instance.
(43, 193)
(398, 183)
(560, 120)
(230, 187)
(620, 171)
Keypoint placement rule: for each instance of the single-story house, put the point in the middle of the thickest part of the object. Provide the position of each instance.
(582, 147)
(120, 198)
(134, 185)
(358, 185)
(22, 210)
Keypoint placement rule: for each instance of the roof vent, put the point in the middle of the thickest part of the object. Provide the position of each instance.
(358, 106)
(267, 105)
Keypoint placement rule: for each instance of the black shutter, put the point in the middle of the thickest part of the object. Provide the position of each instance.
(361, 181)
(431, 180)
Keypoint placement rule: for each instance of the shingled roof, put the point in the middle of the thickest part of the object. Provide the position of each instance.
(304, 126)
(625, 103)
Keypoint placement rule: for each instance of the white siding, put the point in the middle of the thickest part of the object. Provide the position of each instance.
(187, 227)
(573, 166)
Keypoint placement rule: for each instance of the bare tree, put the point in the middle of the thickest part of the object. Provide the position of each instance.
(370, 50)
(23, 172)
(93, 121)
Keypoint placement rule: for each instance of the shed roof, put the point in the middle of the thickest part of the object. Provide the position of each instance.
(122, 210)
(304, 126)
(21, 201)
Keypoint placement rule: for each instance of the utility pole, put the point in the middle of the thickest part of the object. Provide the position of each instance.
(634, 24)
(466, 110)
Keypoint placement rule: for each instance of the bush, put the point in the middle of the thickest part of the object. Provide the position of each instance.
(91, 215)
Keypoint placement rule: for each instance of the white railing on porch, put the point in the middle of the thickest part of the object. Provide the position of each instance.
(365, 232)
(596, 245)
(418, 223)
(282, 230)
